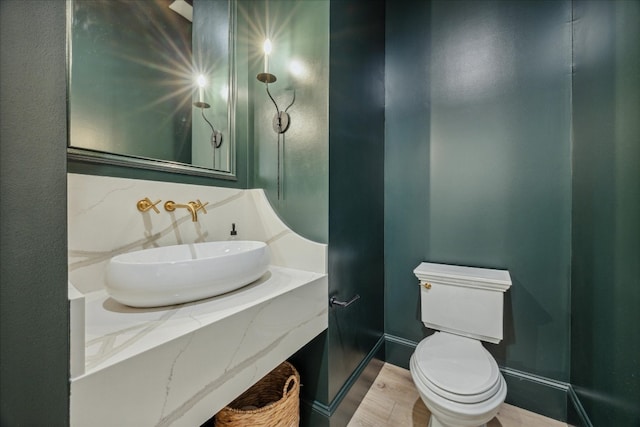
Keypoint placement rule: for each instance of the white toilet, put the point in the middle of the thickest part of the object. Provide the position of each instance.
(457, 378)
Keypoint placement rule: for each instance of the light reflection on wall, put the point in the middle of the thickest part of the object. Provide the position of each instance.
(299, 70)
(474, 61)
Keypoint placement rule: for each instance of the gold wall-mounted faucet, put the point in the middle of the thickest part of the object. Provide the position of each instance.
(146, 204)
(199, 206)
(192, 207)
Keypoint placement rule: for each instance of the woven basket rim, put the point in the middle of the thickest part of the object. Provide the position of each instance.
(269, 406)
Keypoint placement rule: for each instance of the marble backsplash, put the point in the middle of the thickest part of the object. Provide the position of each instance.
(103, 221)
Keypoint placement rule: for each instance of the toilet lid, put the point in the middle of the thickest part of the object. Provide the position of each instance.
(457, 368)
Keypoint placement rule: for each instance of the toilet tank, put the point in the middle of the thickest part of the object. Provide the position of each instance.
(465, 301)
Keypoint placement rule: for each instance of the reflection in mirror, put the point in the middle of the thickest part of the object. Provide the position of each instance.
(134, 96)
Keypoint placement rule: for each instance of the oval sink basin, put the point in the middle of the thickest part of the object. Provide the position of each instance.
(176, 274)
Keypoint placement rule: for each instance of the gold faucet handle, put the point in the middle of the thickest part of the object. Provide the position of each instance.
(198, 205)
(146, 204)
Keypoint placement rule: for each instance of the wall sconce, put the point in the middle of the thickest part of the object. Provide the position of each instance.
(281, 120)
(216, 137)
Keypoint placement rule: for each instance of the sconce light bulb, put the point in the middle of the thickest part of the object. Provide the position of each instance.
(267, 47)
(202, 81)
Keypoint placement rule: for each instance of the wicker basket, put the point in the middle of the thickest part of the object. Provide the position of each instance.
(271, 402)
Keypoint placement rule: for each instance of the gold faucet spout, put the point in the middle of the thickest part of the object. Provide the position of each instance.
(171, 206)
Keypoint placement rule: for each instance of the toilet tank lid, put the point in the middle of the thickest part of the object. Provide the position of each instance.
(484, 278)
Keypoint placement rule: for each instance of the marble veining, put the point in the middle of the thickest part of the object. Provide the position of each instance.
(101, 349)
(278, 236)
(228, 375)
(148, 241)
(193, 358)
(115, 332)
(170, 233)
(170, 378)
(178, 365)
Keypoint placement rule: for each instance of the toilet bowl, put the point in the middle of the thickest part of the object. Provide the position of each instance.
(457, 378)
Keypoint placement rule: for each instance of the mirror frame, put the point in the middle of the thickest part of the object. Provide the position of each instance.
(101, 157)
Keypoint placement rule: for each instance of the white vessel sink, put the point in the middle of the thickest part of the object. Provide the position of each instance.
(182, 273)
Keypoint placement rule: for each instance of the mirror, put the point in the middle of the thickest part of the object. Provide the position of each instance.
(152, 84)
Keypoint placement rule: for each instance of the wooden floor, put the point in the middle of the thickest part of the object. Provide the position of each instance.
(393, 400)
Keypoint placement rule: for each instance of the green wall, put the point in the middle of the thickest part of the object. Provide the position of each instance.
(406, 177)
(34, 325)
(509, 146)
(477, 173)
(605, 332)
(299, 32)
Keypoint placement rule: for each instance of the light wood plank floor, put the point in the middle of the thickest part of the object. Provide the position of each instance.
(393, 401)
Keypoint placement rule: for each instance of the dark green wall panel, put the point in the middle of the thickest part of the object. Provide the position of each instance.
(605, 334)
(536, 394)
(407, 130)
(478, 163)
(356, 184)
(34, 314)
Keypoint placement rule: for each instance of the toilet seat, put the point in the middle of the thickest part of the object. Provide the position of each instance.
(449, 413)
(456, 368)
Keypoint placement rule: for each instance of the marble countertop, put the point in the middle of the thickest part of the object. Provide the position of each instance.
(115, 332)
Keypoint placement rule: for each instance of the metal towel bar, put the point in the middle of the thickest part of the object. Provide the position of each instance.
(333, 301)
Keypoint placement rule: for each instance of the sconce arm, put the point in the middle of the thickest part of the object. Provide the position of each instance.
(216, 137)
(274, 101)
